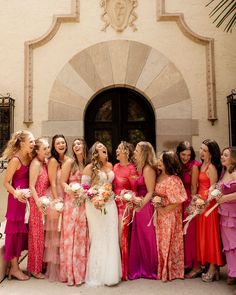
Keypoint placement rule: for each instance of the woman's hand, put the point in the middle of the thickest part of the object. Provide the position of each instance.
(20, 196)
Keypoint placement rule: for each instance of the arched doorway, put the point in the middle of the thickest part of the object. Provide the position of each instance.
(119, 114)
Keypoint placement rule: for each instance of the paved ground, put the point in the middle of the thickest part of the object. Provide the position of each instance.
(138, 287)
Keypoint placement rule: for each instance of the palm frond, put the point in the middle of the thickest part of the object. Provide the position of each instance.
(225, 11)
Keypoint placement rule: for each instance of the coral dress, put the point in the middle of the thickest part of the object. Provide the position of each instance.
(169, 230)
(124, 179)
(209, 248)
(74, 239)
(143, 247)
(227, 213)
(36, 226)
(190, 251)
(16, 230)
(52, 236)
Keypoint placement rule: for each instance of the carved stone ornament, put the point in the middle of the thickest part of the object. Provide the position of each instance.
(119, 14)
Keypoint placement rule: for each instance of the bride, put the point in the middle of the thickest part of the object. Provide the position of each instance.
(104, 263)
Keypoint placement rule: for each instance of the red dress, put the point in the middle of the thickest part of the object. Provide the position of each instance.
(36, 227)
(124, 179)
(209, 248)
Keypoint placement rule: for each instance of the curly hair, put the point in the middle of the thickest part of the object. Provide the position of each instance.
(232, 151)
(95, 161)
(215, 153)
(172, 163)
(54, 153)
(14, 144)
(75, 164)
(148, 156)
(128, 149)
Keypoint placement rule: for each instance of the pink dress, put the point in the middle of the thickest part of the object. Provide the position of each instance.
(190, 252)
(52, 237)
(36, 227)
(16, 230)
(124, 179)
(170, 246)
(74, 239)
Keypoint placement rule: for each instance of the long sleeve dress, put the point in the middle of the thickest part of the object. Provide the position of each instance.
(170, 246)
(125, 177)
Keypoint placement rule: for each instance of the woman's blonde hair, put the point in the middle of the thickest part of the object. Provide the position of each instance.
(95, 162)
(14, 144)
(38, 142)
(148, 156)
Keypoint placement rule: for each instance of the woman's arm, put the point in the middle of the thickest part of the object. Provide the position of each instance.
(65, 172)
(212, 174)
(52, 175)
(149, 175)
(194, 180)
(34, 171)
(227, 198)
(13, 165)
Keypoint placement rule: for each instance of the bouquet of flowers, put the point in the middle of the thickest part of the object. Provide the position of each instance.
(215, 193)
(79, 191)
(26, 192)
(157, 201)
(129, 198)
(58, 206)
(99, 195)
(196, 206)
(45, 201)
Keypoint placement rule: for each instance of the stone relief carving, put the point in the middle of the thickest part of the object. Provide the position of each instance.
(119, 14)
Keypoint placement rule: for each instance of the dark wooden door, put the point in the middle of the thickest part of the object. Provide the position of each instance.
(119, 114)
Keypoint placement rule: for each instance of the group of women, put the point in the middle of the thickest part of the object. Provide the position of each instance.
(139, 237)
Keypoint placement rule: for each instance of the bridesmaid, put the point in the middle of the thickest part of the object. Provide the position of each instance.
(74, 234)
(19, 154)
(209, 250)
(143, 248)
(125, 175)
(170, 245)
(186, 155)
(55, 192)
(38, 186)
(227, 211)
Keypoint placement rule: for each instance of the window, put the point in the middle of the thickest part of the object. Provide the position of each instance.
(6, 120)
(231, 101)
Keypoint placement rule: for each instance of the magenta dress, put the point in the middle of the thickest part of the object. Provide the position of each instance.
(143, 245)
(74, 244)
(227, 213)
(190, 253)
(36, 227)
(16, 230)
(125, 178)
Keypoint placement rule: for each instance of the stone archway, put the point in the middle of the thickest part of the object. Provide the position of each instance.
(128, 64)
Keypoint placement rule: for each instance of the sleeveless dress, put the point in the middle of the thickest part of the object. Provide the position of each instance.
(124, 179)
(104, 264)
(74, 239)
(169, 230)
(227, 213)
(190, 251)
(143, 246)
(16, 230)
(209, 248)
(36, 226)
(52, 236)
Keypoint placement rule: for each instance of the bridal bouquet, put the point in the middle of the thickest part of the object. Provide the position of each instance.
(215, 193)
(129, 198)
(99, 195)
(196, 206)
(157, 201)
(80, 192)
(45, 201)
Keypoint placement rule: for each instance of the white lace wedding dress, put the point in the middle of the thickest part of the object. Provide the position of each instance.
(104, 262)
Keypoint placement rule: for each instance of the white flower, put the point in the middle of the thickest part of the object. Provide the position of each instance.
(45, 200)
(216, 192)
(26, 192)
(59, 206)
(75, 187)
(128, 196)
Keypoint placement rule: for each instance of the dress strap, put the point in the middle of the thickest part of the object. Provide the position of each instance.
(18, 159)
(205, 170)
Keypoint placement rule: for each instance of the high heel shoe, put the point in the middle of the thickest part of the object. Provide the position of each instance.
(18, 275)
(39, 275)
(194, 273)
(210, 277)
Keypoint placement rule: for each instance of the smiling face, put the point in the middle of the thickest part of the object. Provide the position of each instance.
(78, 147)
(60, 145)
(204, 153)
(121, 153)
(102, 152)
(226, 159)
(43, 151)
(28, 144)
(185, 156)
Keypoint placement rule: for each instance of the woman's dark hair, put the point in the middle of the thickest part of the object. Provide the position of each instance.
(232, 151)
(54, 153)
(183, 146)
(172, 163)
(214, 151)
